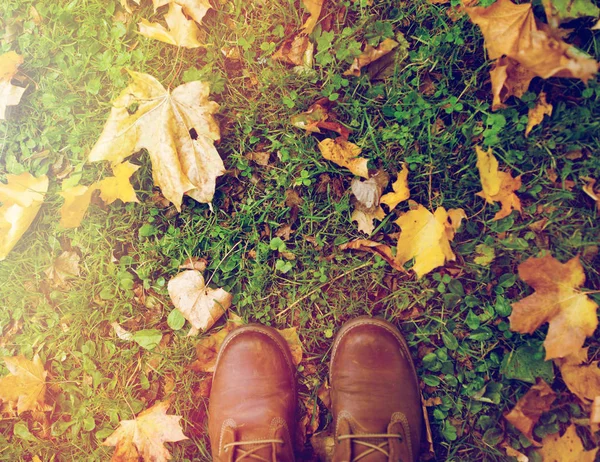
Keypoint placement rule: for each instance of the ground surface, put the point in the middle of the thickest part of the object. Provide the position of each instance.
(430, 113)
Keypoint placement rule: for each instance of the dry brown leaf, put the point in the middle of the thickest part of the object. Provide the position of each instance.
(25, 387)
(259, 157)
(64, 267)
(512, 452)
(366, 205)
(344, 154)
(426, 237)
(194, 263)
(10, 95)
(377, 248)
(182, 32)
(530, 408)
(497, 186)
(146, 435)
(21, 197)
(582, 379)
(591, 191)
(200, 305)
(290, 335)
(365, 219)
(118, 186)
(314, 8)
(571, 314)
(178, 130)
(319, 116)
(369, 55)
(566, 448)
(536, 114)
(293, 50)
(512, 34)
(77, 200)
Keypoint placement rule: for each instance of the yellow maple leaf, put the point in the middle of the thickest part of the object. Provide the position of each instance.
(21, 198)
(581, 378)
(426, 237)
(144, 437)
(200, 305)
(570, 314)
(178, 130)
(207, 349)
(290, 335)
(497, 186)
(530, 408)
(566, 448)
(25, 387)
(525, 48)
(77, 200)
(400, 187)
(370, 54)
(118, 186)
(182, 32)
(344, 154)
(195, 9)
(10, 95)
(364, 218)
(536, 113)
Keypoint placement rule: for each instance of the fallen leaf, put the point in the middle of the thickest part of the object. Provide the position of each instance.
(21, 197)
(344, 154)
(582, 379)
(536, 114)
(10, 95)
(566, 448)
(377, 248)
(25, 387)
(530, 407)
(319, 116)
(595, 413)
(77, 200)
(365, 219)
(178, 130)
(200, 305)
(512, 34)
(314, 8)
(144, 437)
(260, 158)
(182, 32)
(560, 11)
(195, 9)
(571, 314)
(511, 452)
(401, 191)
(497, 186)
(590, 190)
(194, 263)
(290, 335)
(293, 50)
(369, 55)
(64, 267)
(426, 237)
(118, 186)
(122, 333)
(207, 349)
(368, 193)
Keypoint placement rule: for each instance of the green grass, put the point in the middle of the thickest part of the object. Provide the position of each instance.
(74, 63)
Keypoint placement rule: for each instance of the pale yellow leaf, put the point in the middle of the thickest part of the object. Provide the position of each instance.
(144, 437)
(364, 218)
(567, 448)
(25, 386)
(118, 186)
(21, 197)
(77, 200)
(401, 190)
(291, 337)
(200, 305)
(164, 123)
(536, 114)
(314, 9)
(182, 32)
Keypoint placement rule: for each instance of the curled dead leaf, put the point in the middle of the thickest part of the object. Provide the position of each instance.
(371, 54)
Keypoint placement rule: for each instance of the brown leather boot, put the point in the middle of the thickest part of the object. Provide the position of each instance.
(252, 408)
(375, 394)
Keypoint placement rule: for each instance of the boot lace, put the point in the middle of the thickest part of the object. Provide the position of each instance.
(372, 447)
(250, 454)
